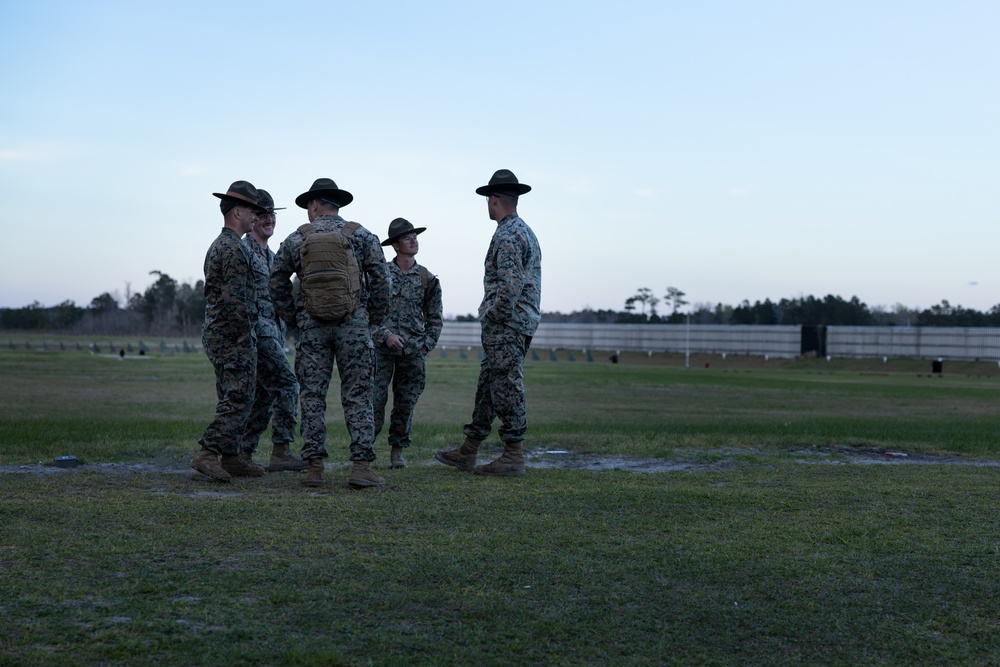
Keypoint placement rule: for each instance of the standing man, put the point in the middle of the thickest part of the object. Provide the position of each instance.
(410, 331)
(509, 315)
(230, 336)
(343, 288)
(277, 389)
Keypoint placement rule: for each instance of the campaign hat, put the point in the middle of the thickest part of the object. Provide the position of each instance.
(401, 227)
(503, 182)
(242, 192)
(265, 199)
(324, 188)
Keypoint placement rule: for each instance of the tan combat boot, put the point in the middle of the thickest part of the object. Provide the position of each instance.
(207, 463)
(362, 476)
(396, 459)
(462, 457)
(314, 475)
(283, 459)
(510, 463)
(241, 465)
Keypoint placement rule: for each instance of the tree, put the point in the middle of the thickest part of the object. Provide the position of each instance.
(646, 298)
(105, 303)
(675, 299)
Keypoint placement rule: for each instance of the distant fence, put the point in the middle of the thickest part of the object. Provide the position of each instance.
(779, 341)
(914, 342)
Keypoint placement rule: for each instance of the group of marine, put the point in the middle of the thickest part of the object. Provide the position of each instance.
(372, 319)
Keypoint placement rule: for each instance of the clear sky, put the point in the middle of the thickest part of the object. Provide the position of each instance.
(734, 150)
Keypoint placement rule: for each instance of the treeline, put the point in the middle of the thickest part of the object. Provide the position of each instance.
(166, 308)
(169, 308)
(829, 310)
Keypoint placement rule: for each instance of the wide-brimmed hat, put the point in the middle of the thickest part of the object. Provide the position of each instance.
(324, 188)
(504, 182)
(401, 227)
(265, 199)
(242, 192)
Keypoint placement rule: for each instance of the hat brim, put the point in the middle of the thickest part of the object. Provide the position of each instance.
(512, 189)
(393, 239)
(342, 197)
(241, 200)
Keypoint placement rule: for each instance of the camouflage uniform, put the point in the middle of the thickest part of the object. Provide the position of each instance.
(230, 339)
(509, 314)
(414, 314)
(348, 344)
(277, 389)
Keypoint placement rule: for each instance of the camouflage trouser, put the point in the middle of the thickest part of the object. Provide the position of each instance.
(277, 396)
(235, 365)
(500, 391)
(351, 347)
(407, 373)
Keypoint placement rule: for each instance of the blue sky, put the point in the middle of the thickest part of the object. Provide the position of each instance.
(734, 150)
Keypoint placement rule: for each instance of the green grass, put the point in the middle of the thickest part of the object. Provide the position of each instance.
(754, 557)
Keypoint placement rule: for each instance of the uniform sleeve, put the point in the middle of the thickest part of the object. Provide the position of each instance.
(510, 279)
(378, 280)
(281, 281)
(433, 320)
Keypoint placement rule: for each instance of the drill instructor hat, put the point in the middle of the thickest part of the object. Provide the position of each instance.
(504, 182)
(401, 227)
(265, 199)
(324, 188)
(242, 192)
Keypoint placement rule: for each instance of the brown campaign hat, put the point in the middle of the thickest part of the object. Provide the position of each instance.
(504, 182)
(324, 188)
(242, 192)
(265, 199)
(401, 227)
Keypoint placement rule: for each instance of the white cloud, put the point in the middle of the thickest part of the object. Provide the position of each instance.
(194, 170)
(739, 191)
(45, 152)
(645, 193)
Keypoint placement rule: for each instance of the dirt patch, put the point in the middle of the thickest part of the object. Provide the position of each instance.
(874, 455)
(568, 460)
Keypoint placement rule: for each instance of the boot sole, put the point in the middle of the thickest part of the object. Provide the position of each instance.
(460, 466)
(287, 467)
(506, 473)
(207, 473)
(395, 466)
(363, 483)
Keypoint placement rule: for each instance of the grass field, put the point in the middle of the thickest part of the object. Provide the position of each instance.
(781, 534)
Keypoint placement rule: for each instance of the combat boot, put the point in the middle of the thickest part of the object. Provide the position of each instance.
(314, 475)
(462, 457)
(207, 463)
(283, 459)
(362, 476)
(396, 459)
(241, 465)
(510, 463)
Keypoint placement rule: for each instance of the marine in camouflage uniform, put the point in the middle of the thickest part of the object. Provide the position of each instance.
(509, 315)
(277, 398)
(348, 344)
(229, 336)
(410, 331)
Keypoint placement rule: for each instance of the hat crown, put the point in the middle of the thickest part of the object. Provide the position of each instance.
(503, 177)
(264, 198)
(399, 226)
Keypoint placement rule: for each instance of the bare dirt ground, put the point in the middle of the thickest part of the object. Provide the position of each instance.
(696, 460)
